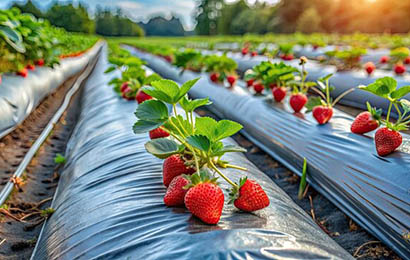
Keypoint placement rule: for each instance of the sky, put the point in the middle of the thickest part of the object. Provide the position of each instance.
(138, 10)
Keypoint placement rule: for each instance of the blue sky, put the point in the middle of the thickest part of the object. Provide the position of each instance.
(136, 9)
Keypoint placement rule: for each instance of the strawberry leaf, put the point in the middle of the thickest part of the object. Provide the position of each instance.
(313, 102)
(152, 110)
(401, 92)
(205, 126)
(151, 78)
(186, 87)
(381, 87)
(190, 105)
(227, 149)
(163, 147)
(164, 90)
(225, 128)
(110, 69)
(325, 78)
(199, 141)
(142, 126)
(179, 126)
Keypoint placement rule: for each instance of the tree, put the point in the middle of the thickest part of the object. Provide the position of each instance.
(207, 14)
(108, 24)
(71, 18)
(309, 21)
(30, 8)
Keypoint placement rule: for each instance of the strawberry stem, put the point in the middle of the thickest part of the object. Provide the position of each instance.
(222, 175)
(388, 111)
(235, 167)
(398, 112)
(342, 95)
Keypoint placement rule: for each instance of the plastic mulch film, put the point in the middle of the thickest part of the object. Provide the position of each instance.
(342, 80)
(372, 190)
(20, 96)
(109, 202)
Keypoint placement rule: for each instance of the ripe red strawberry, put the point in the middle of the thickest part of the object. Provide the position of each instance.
(30, 67)
(250, 196)
(366, 121)
(287, 56)
(407, 60)
(279, 93)
(175, 194)
(174, 166)
(23, 73)
(214, 77)
(39, 62)
(399, 69)
(322, 114)
(231, 80)
(205, 199)
(245, 51)
(141, 96)
(384, 59)
(158, 133)
(249, 82)
(298, 101)
(258, 87)
(125, 87)
(254, 53)
(168, 58)
(387, 141)
(315, 47)
(369, 67)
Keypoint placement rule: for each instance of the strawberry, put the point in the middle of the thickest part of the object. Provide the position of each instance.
(141, 96)
(231, 80)
(315, 47)
(369, 67)
(125, 87)
(272, 85)
(287, 56)
(158, 133)
(384, 59)
(23, 73)
(279, 93)
(168, 58)
(214, 77)
(258, 87)
(366, 121)
(39, 62)
(407, 60)
(322, 114)
(249, 82)
(205, 199)
(174, 166)
(297, 101)
(387, 140)
(245, 51)
(30, 67)
(254, 53)
(249, 196)
(176, 193)
(399, 69)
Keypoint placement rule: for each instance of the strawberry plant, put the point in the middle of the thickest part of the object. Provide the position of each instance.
(322, 106)
(194, 145)
(220, 68)
(388, 138)
(188, 59)
(346, 59)
(286, 51)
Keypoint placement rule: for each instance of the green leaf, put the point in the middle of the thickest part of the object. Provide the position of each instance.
(142, 126)
(163, 147)
(167, 87)
(179, 126)
(225, 128)
(151, 78)
(381, 87)
(199, 141)
(158, 94)
(59, 159)
(401, 92)
(205, 126)
(110, 69)
(13, 38)
(190, 105)
(328, 76)
(312, 102)
(228, 149)
(186, 87)
(152, 110)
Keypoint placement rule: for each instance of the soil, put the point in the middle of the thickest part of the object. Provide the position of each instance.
(329, 218)
(33, 193)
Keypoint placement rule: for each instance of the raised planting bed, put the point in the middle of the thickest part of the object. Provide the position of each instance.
(110, 205)
(372, 190)
(20, 96)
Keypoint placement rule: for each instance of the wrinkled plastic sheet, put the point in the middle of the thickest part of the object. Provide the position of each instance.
(372, 190)
(342, 81)
(109, 202)
(20, 96)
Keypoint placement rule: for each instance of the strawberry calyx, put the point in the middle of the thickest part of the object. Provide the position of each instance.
(376, 113)
(197, 178)
(234, 191)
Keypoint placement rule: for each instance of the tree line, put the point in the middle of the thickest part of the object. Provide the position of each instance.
(77, 19)
(307, 16)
